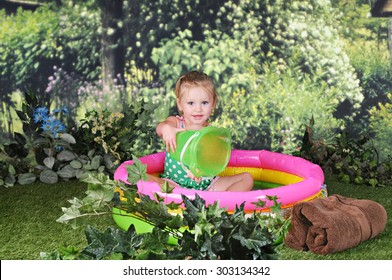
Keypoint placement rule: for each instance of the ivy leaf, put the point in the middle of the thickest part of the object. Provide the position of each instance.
(154, 243)
(192, 209)
(166, 188)
(212, 247)
(98, 196)
(176, 222)
(277, 206)
(259, 204)
(98, 179)
(173, 206)
(137, 171)
(203, 227)
(69, 216)
(215, 210)
(100, 244)
(158, 197)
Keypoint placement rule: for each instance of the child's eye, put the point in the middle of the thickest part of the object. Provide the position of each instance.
(205, 102)
(190, 102)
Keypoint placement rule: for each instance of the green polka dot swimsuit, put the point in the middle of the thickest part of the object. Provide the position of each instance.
(173, 170)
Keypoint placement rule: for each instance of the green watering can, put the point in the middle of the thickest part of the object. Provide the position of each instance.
(204, 152)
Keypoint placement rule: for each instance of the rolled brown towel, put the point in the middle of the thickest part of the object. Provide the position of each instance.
(334, 224)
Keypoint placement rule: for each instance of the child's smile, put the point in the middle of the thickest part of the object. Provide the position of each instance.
(196, 104)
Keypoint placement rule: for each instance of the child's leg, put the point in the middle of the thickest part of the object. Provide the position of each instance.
(240, 182)
(160, 180)
(155, 179)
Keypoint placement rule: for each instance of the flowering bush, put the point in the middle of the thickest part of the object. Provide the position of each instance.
(103, 126)
(51, 124)
(45, 150)
(62, 91)
(118, 134)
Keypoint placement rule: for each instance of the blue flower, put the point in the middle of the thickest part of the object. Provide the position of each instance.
(57, 126)
(46, 126)
(64, 109)
(49, 122)
(39, 117)
(41, 110)
(40, 114)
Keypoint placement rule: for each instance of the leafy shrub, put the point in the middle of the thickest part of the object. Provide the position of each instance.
(381, 125)
(44, 150)
(353, 160)
(117, 134)
(48, 150)
(212, 232)
(18, 154)
(32, 43)
(375, 76)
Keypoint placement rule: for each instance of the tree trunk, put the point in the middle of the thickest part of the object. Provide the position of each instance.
(113, 53)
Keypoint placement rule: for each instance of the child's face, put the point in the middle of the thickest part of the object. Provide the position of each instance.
(197, 105)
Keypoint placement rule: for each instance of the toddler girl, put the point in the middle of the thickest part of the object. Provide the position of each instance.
(196, 98)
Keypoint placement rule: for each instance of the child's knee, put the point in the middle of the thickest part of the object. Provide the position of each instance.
(248, 180)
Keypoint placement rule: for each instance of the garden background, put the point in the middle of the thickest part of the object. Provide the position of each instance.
(310, 78)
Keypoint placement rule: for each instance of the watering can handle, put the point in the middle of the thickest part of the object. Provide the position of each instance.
(183, 152)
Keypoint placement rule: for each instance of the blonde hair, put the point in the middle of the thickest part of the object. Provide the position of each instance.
(196, 79)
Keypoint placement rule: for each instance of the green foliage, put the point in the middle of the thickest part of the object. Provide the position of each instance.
(241, 45)
(357, 161)
(356, 23)
(285, 67)
(211, 232)
(381, 125)
(36, 47)
(375, 78)
(50, 150)
(103, 244)
(28, 241)
(45, 150)
(136, 172)
(118, 134)
(17, 154)
(28, 45)
(151, 22)
(100, 191)
(215, 234)
(354, 161)
(31, 43)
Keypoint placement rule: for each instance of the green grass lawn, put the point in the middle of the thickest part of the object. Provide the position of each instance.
(28, 219)
(28, 222)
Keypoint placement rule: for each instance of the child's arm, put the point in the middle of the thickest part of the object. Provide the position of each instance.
(167, 130)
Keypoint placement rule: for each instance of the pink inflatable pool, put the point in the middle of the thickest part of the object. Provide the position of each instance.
(299, 180)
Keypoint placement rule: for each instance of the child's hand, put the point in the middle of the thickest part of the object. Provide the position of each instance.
(193, 177)
(169, 137)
